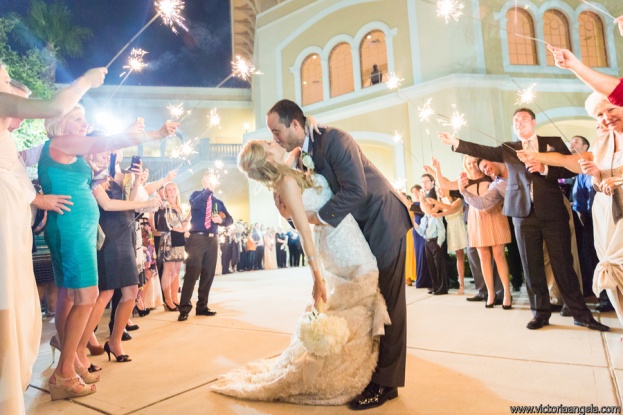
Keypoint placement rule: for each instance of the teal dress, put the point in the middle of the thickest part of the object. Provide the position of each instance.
(71, 237)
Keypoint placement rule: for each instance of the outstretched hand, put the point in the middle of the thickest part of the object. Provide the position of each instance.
(563, 58)
(619, 21)
(448, 139)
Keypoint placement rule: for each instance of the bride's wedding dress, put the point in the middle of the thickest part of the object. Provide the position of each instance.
(351, 277)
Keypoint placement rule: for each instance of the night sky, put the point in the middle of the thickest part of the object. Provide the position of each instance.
(200, 57)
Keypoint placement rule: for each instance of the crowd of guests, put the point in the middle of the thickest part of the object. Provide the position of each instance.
(247, 247)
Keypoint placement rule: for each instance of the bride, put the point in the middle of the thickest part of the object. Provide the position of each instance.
(345, 291)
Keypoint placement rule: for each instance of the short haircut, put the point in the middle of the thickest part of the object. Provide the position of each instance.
(584, 140)
(288, 111)
(592, 101)
(417, 187)
(18, 85)
(528, 110)
(430, 176)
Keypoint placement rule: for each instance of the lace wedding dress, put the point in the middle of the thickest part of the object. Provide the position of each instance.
(351, 277)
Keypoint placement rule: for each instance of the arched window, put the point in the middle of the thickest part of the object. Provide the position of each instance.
(373, 52)
(341, 70)
(556, 32)
(520, 27)
(592, 42)
(311, 79)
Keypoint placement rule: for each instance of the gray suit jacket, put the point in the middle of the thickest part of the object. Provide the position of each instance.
(361, 189)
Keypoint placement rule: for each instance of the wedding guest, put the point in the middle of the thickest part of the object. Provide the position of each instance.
(537, 207)
(432, 229)
(172, 244)
(421, 269)
(270, 256)
(294, 248)
(280, 247)
(207, 214)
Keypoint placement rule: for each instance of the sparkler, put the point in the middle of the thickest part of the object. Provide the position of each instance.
(397, 137)
(135, 64)
(214, 120)
(450, 9)
(240, 69)
(526, 96)
(170, 11)
(426, 111)
(393, 82)
(457, 121)
(599, 9)
(177, 112)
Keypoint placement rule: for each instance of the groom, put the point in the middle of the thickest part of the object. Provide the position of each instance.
(360, 189)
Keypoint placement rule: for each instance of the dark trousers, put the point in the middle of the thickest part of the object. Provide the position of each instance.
(390, 368)
(250, 260)
(436, 266)
(531, 232)
(514, 259)
(225, 258)
(281, 256)
(586, 250)
(235, 256)
(259, 257)
(202, 253)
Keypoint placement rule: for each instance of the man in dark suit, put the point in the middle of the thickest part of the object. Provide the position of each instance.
(535, 202)
(207, 214)
(360, 189)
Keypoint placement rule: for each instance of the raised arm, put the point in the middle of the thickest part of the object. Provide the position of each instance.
(472, 149)
(153, 186)
(568, 161)
(114, 205)
(80, 145)
(600, 82)
(18, 107)
(290, 192)
(486, 201)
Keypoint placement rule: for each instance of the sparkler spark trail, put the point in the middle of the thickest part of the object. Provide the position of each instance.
(397, 137)
(176, 111)
(240, 69)
(425, 111)
(170, 11)
(526, 96)
(393, 82)
(135, 61)
(450, 9)
(457, 121)
(214, 119)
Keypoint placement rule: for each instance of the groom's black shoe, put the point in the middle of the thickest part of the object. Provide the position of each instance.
(373, 395)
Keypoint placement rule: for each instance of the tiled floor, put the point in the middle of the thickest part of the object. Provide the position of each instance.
(462, 358)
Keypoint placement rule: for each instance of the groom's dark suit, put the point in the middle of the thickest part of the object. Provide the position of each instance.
(360, 189)
(544, 218)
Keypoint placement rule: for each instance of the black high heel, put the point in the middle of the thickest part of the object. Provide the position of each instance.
(167, 308)
(132, 327)
(141, 313)
(508, 307)
(489, 305)
(122, 358)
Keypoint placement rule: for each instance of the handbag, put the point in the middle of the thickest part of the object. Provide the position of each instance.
(177, 238)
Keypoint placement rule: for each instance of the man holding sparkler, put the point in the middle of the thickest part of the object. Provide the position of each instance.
(207, 214)
(536, 205)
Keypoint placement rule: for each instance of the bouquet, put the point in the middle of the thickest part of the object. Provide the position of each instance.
(322, 334)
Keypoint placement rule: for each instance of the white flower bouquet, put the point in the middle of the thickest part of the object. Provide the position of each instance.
(323, 335)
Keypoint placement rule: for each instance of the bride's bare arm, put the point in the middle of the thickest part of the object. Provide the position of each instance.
(80, 145)
(290, 193)
(66, 99)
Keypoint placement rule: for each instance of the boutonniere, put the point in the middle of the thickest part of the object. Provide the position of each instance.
(307, 161)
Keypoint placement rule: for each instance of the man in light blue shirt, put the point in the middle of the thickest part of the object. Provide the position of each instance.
(433, 230)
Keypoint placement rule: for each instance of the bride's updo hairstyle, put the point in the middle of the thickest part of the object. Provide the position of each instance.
(253, 161)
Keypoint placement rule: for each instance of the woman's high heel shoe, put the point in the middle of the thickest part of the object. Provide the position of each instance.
(87, 376)
(54, 345)
(132, 327)
(121, 358)
(489, 305)
(167, 308)
(95, 350)
(73, 387)
(141, 313)
(508, 307)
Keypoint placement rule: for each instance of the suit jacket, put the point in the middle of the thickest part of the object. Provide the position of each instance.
(361, 189)
(548, 198)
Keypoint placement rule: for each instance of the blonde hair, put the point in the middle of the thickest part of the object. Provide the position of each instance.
(178, 200)
(56, 126)
(253, 161)
(593, 100)
(467, 171)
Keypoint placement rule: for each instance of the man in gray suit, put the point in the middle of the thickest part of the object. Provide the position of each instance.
(360, 189)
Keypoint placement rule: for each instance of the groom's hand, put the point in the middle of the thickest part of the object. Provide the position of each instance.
(312, 217)
(283, 211)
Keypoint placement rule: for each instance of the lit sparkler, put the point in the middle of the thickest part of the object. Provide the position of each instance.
(397, 137)
(450, 9)
(176, 111)
(240, 69)
(170, 11)
(457, 121)
(135, 64)
(426, 111)
(526, 96)
(393, 82)
(214, 120)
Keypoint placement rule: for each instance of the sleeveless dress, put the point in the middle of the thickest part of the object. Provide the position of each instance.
(20, 312)
(608, 226)
(351, 277)
(71, 237)
(456, 230)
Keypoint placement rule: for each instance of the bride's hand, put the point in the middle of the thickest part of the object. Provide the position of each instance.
(312, 217)
(319, 293)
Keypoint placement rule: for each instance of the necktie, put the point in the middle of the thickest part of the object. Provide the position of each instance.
(208, 221)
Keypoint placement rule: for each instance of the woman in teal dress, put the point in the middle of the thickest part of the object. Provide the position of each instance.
(72, 238)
